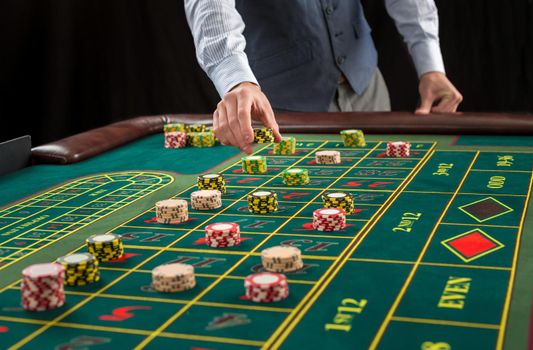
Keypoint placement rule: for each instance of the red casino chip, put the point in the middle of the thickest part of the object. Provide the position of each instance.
(266, 287)
(398, 149)
(222, 228)
(329, 219)
(222, 235)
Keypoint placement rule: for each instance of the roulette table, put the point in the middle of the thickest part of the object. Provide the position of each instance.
(437, 255)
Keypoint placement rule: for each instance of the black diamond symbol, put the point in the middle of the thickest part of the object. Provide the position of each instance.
(485, 209)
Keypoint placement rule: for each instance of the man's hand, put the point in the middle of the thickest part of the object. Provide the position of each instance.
(232, 120)
(434, 87)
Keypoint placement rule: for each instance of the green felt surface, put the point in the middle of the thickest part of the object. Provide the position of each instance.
(437, 255)
(145, 154)
(502, 140)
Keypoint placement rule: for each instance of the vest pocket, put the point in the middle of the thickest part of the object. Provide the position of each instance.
(281, 61)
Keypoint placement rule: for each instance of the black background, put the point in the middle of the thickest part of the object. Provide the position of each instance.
(69, 65)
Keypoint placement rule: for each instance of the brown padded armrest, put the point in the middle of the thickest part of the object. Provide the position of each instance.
(96, 141)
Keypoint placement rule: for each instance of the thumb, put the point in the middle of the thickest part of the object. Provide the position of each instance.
(425, 105)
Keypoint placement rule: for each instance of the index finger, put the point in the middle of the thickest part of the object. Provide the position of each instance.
(244, 113)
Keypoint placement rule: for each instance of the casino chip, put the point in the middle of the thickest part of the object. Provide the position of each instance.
(171, 211)
(398, 149)
(286, 146)
(328, 157)
(295, 177)
(266, 287)
(210, 129)
(41, 288)
(339, 200)
(353, 138)
(172, 127)
(329, 219)
(201, 139)
(206, 199)
(262, 202)
(282, 259)
(105, 247)
(254, 164)
(212, 182)
(175, 139)
(222, 234)
(172, 278)
(263, 135)
(194, 128)
(80, 269)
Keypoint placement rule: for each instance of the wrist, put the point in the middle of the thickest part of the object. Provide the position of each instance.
(245, 84)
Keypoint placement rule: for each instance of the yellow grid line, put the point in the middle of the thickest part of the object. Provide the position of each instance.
(243, 232)
(286, 327)
(404, 262)
(101, 290)
(392, 310)
(212, 285)
(95, 216)
(477, 225)
(136, 331)
(445, 322)
(506, 305)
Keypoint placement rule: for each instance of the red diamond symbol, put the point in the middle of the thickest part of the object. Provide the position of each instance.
(471, 245)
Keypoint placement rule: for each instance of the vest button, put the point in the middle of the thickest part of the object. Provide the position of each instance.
(341, 59)
(329, 10)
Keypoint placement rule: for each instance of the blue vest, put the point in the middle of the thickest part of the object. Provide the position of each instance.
(298, 49)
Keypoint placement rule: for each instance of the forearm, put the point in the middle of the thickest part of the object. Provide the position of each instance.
(418, 23)
(217, 29)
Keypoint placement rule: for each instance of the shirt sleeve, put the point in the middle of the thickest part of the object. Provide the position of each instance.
(217, 29)
(418, 23)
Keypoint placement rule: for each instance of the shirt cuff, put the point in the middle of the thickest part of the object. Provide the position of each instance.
(427, 57)
(231, 71)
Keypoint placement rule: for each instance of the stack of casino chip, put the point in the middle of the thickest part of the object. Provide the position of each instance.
(328, 157)
(295, 177)
(172, 127)
(329, 219)
(171, 211)
(212, 182)
(339, 200)
(173, 278)
(80, 269)
(106, 247)
(206, 199)
(191, 130)
(201, 139)
(353, 138)
(41, 288)
(222, 234)
(263, 135)
(266, 287)
(175, 136)
(175, 139)
(398, 149)
(262, 202)
(194, 128)
(282, 259)
(254, 164)
(287, 145)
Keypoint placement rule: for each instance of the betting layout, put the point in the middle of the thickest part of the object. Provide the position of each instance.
(321, 178)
